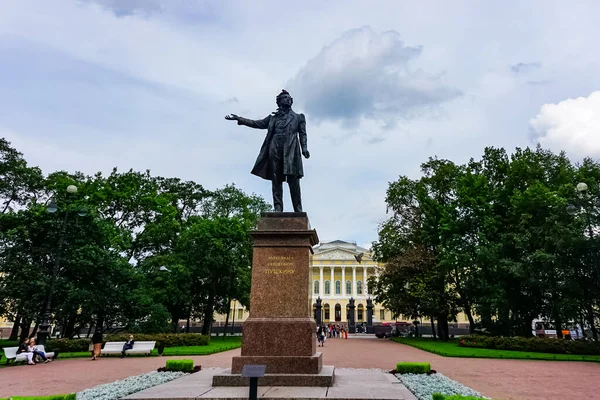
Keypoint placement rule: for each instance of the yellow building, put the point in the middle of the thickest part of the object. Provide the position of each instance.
(340, 271)
(337, 275)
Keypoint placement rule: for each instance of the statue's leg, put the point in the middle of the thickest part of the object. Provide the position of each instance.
(277, 187)
(276, 160)
(295, 194)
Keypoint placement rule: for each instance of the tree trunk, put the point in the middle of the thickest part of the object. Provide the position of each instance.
(208, 312)
(14, 333)
(431, 319)
(175, 322)
(70, 326)
(469, 314)
(25, 326)
(227, 320)
(443, 327)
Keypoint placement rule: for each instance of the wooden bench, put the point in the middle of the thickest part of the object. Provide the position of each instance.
(138, 348)
(11, 354)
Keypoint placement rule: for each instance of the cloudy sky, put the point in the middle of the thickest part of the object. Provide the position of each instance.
(92, 84)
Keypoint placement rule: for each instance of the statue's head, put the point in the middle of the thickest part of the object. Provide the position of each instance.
(284, 100)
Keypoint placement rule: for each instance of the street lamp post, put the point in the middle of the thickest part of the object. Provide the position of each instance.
(52, 207)
(585, 205)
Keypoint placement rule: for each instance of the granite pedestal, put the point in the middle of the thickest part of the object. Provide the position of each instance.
(280, 332)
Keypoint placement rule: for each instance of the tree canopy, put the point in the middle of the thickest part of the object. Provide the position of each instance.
(493, 238)
(110, 239)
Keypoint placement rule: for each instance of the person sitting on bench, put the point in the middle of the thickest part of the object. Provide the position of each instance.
(37, 353)
(127, 346)
(24, 348)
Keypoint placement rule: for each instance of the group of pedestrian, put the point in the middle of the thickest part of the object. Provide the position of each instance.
(33, 353)
(331, 331)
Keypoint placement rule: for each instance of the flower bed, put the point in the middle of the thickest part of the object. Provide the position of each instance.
(424, 386)
(127, 386)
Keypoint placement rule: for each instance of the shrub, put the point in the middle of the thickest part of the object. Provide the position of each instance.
(68, 345)
(439, 396)
(413, 367)
(8, 343)
(70, 396)
(180, 365)
(163, 339)
(533, 344)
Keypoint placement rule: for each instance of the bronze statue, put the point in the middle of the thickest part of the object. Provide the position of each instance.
(279, 159)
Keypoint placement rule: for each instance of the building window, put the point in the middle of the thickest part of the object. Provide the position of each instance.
(241, 313)
(348, 287)
(326, 315)
(382, 315)
(327, 287)
(316, 287)
(338, 287)
(360, 310)
(359, 288)
(338, 312)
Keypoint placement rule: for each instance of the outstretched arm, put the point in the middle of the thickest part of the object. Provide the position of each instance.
(302, 134)
(256, 124)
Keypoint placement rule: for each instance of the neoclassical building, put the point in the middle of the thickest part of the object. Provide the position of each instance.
(340, 270)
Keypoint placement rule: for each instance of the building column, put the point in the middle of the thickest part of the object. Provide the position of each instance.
(321, 283)
(344, 283)
(354, 281)
(332, 284)
(364, 280)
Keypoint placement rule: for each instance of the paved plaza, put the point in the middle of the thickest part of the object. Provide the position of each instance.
(499, 379)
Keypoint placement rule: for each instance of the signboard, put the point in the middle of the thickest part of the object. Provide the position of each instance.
(253, 371)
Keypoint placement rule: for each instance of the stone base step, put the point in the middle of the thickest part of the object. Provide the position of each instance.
(322, 379)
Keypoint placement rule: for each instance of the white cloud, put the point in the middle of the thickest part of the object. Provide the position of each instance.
(572, 125)
(92, 84)
(364, 74)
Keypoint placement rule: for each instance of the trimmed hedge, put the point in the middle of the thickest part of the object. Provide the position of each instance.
(71, 396)
(162, 340)
(180, 365)
(413, 367)
(439, 396)
(8, 343)
(533, 344)
(68, 345)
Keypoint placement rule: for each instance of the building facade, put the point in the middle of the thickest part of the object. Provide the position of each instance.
(340, 270)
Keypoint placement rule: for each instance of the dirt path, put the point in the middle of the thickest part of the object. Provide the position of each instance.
(500, 379)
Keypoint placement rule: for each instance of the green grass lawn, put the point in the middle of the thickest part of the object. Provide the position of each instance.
(452, 349)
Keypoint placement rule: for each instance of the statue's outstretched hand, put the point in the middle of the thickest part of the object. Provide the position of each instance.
(232, 117)
(306, 153)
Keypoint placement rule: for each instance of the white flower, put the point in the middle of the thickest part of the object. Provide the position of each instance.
(127, 386)
(423, 385)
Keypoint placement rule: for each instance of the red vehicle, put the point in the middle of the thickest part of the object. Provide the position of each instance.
(383, 331)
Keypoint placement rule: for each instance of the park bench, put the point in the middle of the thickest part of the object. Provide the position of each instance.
(138, 348)
(11, 354)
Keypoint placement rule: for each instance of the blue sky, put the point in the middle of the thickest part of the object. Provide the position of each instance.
(92, 84)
